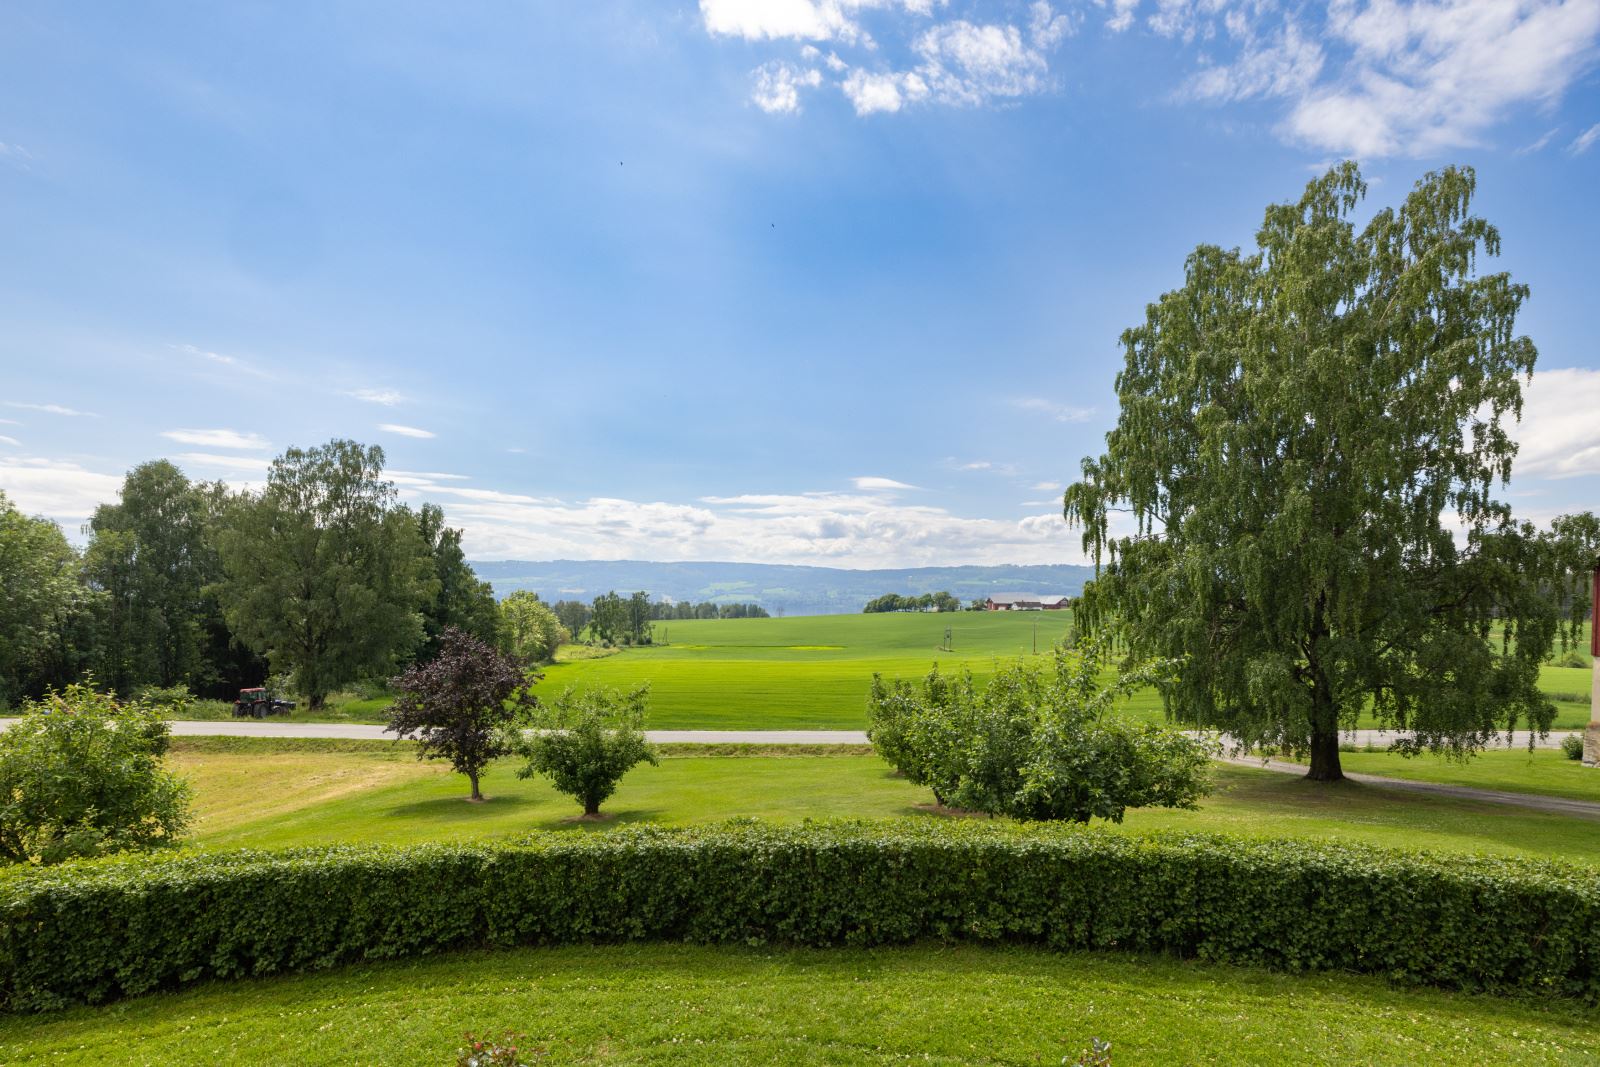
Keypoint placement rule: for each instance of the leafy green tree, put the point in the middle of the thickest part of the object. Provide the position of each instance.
(81, 775)
(323, 573)
(1036, 743)
(148, 555)
(1300, 429)
(462, 599)
(39, 592)
(529, 631)
(608, 618)
(574, 616)
(638, 618)
(465, 705)
(588, 741)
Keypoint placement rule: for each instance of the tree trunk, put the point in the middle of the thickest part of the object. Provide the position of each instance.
(1325, 755)
(472, 776)
(316, 701)
(591, 807)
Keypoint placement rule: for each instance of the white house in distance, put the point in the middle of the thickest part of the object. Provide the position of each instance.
(1026, 602)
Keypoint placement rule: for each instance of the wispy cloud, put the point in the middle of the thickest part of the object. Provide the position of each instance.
(1059, 412)
(220, 359)
(1558, 436)
(52, 409)
(871, 483)
(214, 461)
(387, 397)
(406, 431)
(1047, 487)
(1533, 146)
(1585, 140)
(16, 156)
(217, 438)
(63, 491)
(4, 440)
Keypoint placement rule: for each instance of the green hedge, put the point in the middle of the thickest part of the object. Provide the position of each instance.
(98, 930)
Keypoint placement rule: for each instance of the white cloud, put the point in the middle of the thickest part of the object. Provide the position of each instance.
(777, 86)
(1390, 77)
(1532, 147)
(406, 431)
(834, 529)
(217, 438)
(801, 20)
(4, 440)
(968, 64)
(871, 483)
(1558, 436)
(1047, 487)
(51, 409)
(1046, 28)
(870, 93)
(9, 422)
(213, 461)
(426, 477)
(1122, 12)
(387, 397)
(1585, 140)
(1059, 412)
(63, 491)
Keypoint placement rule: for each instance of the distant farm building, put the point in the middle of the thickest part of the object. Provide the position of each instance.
(1026, 602)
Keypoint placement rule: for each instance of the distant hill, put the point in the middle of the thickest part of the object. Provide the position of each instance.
(780, 589)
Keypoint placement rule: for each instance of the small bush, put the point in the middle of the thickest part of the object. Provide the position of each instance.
(81, 775)
(1036, 743)
(96, 930)
(1572, 657)
(588, 741)
(175, 700)
(1572, 746)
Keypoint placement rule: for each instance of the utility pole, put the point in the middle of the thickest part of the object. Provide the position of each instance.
(1035, 637)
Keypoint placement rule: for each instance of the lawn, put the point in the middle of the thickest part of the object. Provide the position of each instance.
(812, 672)
(278, 795)
(701, 1005)
(1516, 770)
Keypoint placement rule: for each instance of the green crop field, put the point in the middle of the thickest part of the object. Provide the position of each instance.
(692, 1005)
(281, 794)
(813, 672)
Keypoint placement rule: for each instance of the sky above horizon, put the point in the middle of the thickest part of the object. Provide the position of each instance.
(832, 282)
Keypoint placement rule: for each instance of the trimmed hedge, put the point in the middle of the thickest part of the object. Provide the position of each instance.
(98, 930)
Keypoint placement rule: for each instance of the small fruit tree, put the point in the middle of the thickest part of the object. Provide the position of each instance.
(588, 741)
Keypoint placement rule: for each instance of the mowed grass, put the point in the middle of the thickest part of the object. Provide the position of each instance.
(276, 800)
(811, 672)
(1543, 771)
(686, 1004)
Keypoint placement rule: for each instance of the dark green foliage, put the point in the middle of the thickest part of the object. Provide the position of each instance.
(40, 597)
(1572, 746)
(925, 602)
(324, 572)
(1036, 743)
(572, 614)
(96, 931)
(587, 741)
(1300, 426)
(461, 599)
(81, 775)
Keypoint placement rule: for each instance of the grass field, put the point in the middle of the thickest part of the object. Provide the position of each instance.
(277, 795)
(813, 672)
(682, 1004)
(1545, 771)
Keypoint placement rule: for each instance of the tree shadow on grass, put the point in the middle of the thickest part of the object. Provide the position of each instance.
(570, 821)
(459, 808)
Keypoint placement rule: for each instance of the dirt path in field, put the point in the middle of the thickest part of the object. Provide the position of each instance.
(1586, 809)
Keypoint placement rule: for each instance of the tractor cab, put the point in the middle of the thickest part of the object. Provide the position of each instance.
(260, 702)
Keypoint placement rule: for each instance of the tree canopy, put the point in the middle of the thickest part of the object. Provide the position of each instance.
(324, 573)
(1310, 439)
(38, 591)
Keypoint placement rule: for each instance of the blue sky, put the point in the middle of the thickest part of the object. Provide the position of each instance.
(806, 281)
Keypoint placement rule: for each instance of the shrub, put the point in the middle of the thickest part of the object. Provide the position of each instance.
(1571, 657)
(588, 741)
(81, 775)
(465, 705)
(174, 700)
(1036, 743)
(96, 930)
(1572, 746)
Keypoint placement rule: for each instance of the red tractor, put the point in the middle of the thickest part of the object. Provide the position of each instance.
(259, 703)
